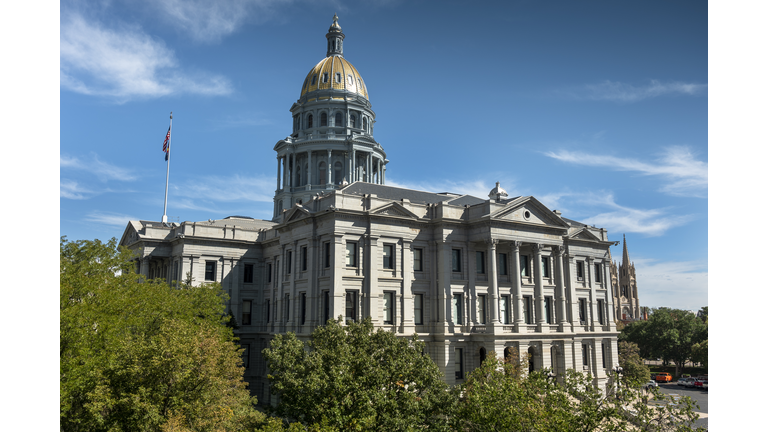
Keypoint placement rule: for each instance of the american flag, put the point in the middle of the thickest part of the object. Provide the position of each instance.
(167, 137)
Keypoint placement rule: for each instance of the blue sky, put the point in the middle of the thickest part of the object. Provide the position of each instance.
(599, 109)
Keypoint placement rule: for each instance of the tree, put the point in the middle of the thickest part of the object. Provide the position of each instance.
(496, 397)
(635, 371)
(140, 355)
(349, 377)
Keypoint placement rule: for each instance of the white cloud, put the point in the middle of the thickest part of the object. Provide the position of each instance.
(675, 284)
(684, 174)
(103, 170)
(623, 92)
(227, 189)
(125, 63)
(108, 218)
(244, 119)
(70, 189)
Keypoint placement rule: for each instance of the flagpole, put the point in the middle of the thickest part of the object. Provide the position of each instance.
(167, 171)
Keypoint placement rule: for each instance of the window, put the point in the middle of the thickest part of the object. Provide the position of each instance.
(580, 270)
(504, 309)
(309, 122)
(338, 120)
(456, 260)
(389, 256)
(327, 254)
(389, 300)
(600, 312)
(246, 312)
(523, 265)
(350, 80)
(585, 354)
(352, 121)
(458, 316)
(210, 270)
(326, 306)
(351, 306)
(417, 260)
(480, 262)
(314, 80)
(481, 309)
(482, 355)
(323, 119)
(528, 309)
(598, 273)
(321, 173)
(269, 272)
(545, 267)
(583, 311)
(248, 273)
(267, 308)
(277, 270)
(351, 254)
(246, 355)
(359, 84)
(288, 261)
(502, 263)
(602, 347)
(418, 309)
(459, 363)
(325, 77)
(303, 258)
(548, 310)
(303, 308)
(287, 307)
(337, 173)
(338, 77)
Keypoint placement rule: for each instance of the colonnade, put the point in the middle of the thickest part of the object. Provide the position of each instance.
(358, 165)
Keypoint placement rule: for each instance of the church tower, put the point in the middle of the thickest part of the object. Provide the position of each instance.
(332, 142)
(624, 283)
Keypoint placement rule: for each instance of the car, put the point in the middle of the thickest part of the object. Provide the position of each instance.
(650, 384)
(684, 381)
(691, 382)
(699, 384)
(663, 377)
(653, 376)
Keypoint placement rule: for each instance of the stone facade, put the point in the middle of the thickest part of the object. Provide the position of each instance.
(468, 275)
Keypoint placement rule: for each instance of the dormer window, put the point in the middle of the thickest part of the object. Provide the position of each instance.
(338, 77)
(314, 79)
(350, 80)
(305, 83)
(325, 77)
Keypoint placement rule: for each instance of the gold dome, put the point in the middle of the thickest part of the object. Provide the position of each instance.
(336, 73)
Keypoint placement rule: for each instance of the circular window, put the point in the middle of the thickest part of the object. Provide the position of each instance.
(527, 214)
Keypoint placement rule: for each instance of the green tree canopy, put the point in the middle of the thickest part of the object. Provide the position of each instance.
(635, 371)
(349, 377)
(139, 355)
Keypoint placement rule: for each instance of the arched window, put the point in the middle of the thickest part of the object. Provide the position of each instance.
(531, 355)
(338, 121)
(507, 354)
(309, 122)
(482, 355)
(365, 124)
(337, 173)
(321, 177)
(323, 119)
(352, 121)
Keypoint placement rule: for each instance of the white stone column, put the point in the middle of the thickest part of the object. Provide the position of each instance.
(278, 173)
(445, 317)
(589, 274)
(373, 298)
(560, 287)
(384, 175)
(406, 266)
(493, 282)
(571, 268)
(309, 170)
(353, 165)
(609, 298)
(328, 169)
(538, 290)
(517, 300)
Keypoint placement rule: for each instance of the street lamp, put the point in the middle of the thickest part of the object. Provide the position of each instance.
(618, 369)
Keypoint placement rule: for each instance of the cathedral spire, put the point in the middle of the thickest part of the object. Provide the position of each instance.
(625, 256)
(335, 39)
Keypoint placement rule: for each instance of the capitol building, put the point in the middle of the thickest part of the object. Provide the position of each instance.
(470, 275)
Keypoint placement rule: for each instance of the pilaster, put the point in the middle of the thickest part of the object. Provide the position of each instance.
(517, 300)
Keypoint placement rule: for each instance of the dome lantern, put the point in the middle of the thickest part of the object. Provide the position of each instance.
(335, 39)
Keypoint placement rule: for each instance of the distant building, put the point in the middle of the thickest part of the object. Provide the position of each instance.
(470, 275)
(624, 284)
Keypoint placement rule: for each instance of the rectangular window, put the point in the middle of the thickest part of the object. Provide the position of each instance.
(326, 306)
(351, 254)
(246, 355)
(548, 310)
(502, 263)
(600, 318)
(303, 308)
(389, 309)
(248, 273)
(480, 262)
(303, 258)
(277, 270)
(418, 309)
(523, 265)
(481, 309)
(269, 272)
(528, 309)
(325, 77)
(504, 309)
(456, 260)
(545, 267)
(267, 308)
(457, 310)
(598, 273)
(210, 270)
(338, 77)
(583, 310)
(459, 363)
(585, 354)
(288, 261)
(417, 257)
(580, 270)
(287, 307)
(351, 306)
(602, 346)
(246, 315)
(327, 254)
(389, 257)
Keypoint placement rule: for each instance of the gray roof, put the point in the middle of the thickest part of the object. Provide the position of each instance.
(397, 194)
(573, 222)
(240, 221)
(466, 200)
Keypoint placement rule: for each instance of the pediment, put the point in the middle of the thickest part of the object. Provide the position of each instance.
(296, 213)
(528, 210)
(584, 234)
(131, 234)
(393, 209)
